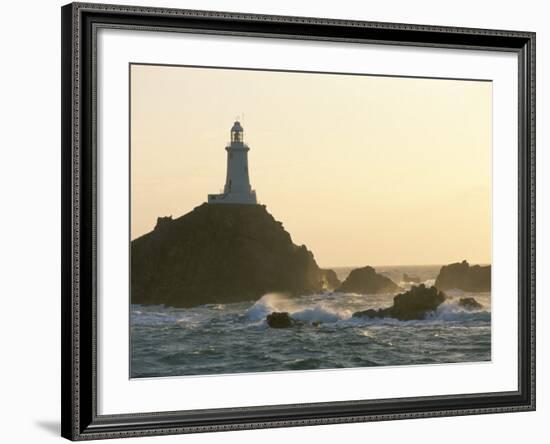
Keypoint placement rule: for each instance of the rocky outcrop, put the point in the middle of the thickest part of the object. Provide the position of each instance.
(469, 304)
(221, 254)
(330, 280)
(410, 279)
(464, 277)
(413, 304)
(283, 319)
(367, 281)
(280, 320)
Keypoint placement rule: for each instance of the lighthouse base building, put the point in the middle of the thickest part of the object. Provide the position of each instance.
(233, 198)
(237, 189)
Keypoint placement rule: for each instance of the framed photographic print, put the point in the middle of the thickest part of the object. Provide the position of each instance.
(278, 221)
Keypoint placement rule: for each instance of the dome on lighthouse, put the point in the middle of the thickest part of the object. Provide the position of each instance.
(237, 126)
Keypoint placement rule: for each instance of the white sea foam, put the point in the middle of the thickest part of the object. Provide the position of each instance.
(267, 304)
(448, 312)
(451, 311)
(408, 284)
(321, 313)
(233, 337)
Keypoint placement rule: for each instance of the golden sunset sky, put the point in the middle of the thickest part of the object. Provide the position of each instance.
(364, 170)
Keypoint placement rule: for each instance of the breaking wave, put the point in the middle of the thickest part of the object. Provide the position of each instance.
(450, 311)
(408, 285)
(320, 312)
(267, 304)
(222, 338)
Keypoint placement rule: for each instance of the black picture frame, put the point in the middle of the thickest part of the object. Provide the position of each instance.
(78, 332)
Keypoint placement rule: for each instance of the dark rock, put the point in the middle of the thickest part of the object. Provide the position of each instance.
(372, 313)
(163, 222)
(411, 279)
(330, 280)
(462, 276)
(367, 281)
(220, 254)
(413, 304)
(469, 304)
(280, 320)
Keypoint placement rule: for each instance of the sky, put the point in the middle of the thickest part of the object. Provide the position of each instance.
(363, 170)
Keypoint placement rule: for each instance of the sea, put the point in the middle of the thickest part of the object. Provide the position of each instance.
(216, 339)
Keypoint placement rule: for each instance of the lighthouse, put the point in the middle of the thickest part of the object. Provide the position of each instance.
(237, 189)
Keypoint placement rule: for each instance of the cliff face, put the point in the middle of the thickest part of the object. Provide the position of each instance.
(220, 254)
(367, 281)
(464, 277)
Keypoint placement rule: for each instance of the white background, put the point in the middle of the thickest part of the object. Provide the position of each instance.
(30, 233)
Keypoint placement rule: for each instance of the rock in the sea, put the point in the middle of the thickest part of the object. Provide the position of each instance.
(280, 320)
(413, 304)
(330, 280)
(462, 276)
(410, 279)
(367, 281)
(220, 254)
(469, 304)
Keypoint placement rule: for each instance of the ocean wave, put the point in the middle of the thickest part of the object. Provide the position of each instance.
(213, 306)
(321, 313)
(451, 311)
(277, 302)
(152, 318)
(429, 282)
(448, 312)
(334, 309)
(159, 315)
(407, 285)
(267, 304)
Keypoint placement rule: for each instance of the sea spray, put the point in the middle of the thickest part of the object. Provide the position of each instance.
(280, 302)
(269, 303)
(321, 313)
(234, 337)
(451, 311)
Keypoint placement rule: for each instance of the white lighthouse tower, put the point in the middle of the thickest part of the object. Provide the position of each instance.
(237, 188)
